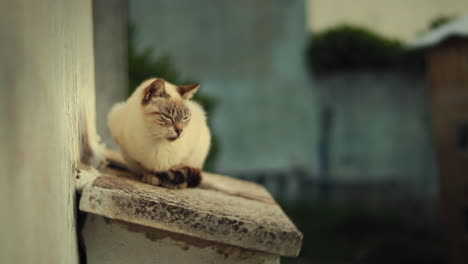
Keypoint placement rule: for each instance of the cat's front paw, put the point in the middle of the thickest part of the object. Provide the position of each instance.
(151, 178)
(178, 177)
(192, 176)
(173, 179)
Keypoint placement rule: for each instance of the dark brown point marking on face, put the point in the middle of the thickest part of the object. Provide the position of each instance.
(155, 89)
(176, 109)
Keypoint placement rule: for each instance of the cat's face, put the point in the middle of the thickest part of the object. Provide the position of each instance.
(164, 108)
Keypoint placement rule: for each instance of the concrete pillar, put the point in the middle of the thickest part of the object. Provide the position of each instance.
(46, 105)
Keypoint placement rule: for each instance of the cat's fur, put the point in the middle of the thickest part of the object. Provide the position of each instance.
(147, 128)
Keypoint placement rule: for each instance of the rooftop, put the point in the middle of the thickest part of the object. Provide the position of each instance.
(456, 28)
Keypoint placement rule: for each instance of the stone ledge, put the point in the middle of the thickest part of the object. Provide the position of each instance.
(222, 210)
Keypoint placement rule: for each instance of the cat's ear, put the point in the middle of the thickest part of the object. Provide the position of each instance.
(187, 91)
(155, 89)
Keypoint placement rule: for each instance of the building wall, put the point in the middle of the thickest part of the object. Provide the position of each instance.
(248, 56)
(380, 128)
(46, 99)
(110, 52)
(398, 18)
(448, 68)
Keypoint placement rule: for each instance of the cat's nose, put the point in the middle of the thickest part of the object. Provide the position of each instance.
(178, 130)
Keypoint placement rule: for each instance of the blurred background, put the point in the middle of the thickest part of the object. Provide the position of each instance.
(326, 103)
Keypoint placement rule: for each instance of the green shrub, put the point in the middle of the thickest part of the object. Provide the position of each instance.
(348, 47)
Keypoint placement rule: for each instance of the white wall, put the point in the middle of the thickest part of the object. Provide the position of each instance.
(400, 19)
(46, 97)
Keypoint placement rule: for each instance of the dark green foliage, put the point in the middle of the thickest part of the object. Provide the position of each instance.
(142, 65)
(348, 235)
(348, 48)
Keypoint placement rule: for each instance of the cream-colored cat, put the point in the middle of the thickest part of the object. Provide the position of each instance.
(163, 135)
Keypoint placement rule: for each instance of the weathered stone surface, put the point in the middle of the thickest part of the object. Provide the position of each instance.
(222, 209)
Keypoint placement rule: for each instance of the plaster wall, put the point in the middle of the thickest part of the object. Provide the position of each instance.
(46, 103)
(380, 128)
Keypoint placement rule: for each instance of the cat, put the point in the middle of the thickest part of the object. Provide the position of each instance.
(163, 135)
